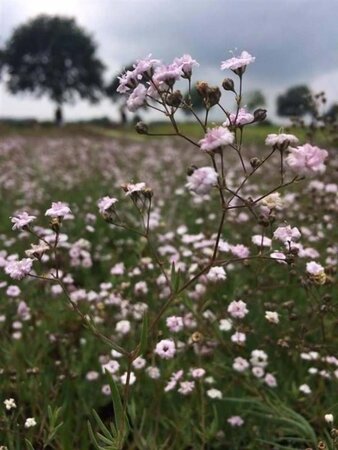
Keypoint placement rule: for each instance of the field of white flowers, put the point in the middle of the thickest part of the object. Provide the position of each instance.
(169, 292)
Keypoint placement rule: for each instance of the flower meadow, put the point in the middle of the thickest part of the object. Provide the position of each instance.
(168, 292)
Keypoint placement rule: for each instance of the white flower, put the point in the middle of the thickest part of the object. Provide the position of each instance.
(272, 316)
(238, 62)
(58, 209)
(10, 404)
(214, 393)
(30, 422)
(123, 326)
(281, 140)
(225, 324)
(329, 418)
(137, 98)
(124, 377)
(305, 389)
(216, 273)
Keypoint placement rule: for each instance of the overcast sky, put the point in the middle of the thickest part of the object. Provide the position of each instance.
(294, 41)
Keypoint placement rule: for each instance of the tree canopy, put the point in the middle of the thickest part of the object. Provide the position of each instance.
(296, 101)
(51, 55)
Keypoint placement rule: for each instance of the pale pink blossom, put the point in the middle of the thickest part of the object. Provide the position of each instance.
(58, 210)
(215, 138)
(287, 234)
(202, 180)
(165, 349)
(307, 160)
(175, 323)
(186, 63)
(238, 338)
(186, 387)
(238, 62)
(242, 118)
(21, 220)
(281, 140)
(137, 98)
(314, 268)
(105, 204)
(240, 364)
(216, 273)
(238, 309)
(235, 421)
(240, 251)
(19, 269)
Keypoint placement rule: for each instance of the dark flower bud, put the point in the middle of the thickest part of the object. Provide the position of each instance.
(141, 128)
(191, 170)
(260, 115)
(214, 94)
(202, 88)
(174, 99)
(255, 162)
(228, 84)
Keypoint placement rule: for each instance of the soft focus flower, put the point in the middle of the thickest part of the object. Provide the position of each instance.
(259, 358)
(165, 349)
(202, 180)
(105, 203)
(21, 220)
(307, 160)
(216, 273)
(225, 325)
(287, 234)
(123, 326)
(242, 118)
(329, 418)
(186, 387)
(19, 269)
(215, 138)
(281, 141)
(10, 404)
(272, 316)
(273, 200)
(58, 209)
(238, 338)
(270, 380)
(235, 421)
(131, 188)
(238, 62)
(124, 378)
(175, 323)
(186, 63)
(238, 309)
(137, 98)
(305, 389)
(240, 364)
(214, 393)
(314, 268)
(30, 422)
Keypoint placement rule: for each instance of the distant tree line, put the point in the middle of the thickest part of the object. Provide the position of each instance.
(53, 56)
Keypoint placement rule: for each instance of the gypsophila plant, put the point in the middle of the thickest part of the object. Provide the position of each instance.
(201, 333)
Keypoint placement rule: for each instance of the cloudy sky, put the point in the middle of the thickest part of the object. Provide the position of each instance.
(294, 41)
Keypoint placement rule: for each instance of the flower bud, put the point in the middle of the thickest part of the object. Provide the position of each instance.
(260, 115)
(202, 88)
(214, 94)
(141, 128)
(255, 162)
(174, 99)
(228, 84)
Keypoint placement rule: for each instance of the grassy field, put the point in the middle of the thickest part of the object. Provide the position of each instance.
(50, 360)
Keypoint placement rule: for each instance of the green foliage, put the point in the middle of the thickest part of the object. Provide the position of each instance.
(51, 55)
(296, 101)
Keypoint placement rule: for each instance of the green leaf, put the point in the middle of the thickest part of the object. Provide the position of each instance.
(101, 425)
(29, 445)
(120, 419)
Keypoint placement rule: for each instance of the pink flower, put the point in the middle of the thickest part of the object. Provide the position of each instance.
(238, 309)
(287, 234)
(127, 81)
(270, 380)
(137, 98)
(239, 62)
(307, 160)
(235, 421)
(240, 251)
(175, 324)
(105, 203)
(202, 180)
(243, 118)
(145, 65)
(314, 268)
(216, 137)
(186, 387)
(238, 338)
(131, 188)
(186, 63)
(19, 269)
(278, 256)
(240, 364)
(281, 140)
(58, 209)
(21, 220)
(167, 74)
(216, 273)
(165, 349)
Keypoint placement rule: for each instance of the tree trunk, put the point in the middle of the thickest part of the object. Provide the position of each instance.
(58, 116)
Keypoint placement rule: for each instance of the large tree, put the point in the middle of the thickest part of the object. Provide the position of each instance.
(296, 101)
(51, 55)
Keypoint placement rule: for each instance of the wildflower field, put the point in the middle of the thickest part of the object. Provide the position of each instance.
(169, 292)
